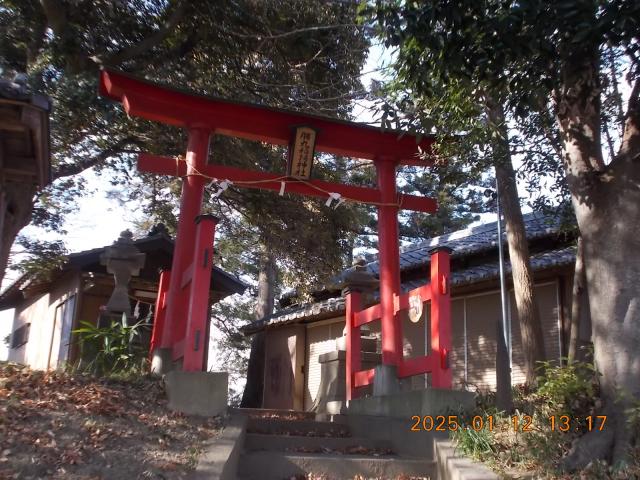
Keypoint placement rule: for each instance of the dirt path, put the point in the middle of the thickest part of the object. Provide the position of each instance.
(57, 425)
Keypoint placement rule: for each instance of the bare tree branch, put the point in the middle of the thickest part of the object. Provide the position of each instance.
(90, 161)
(56, 14)
(633, 107)
(631, 136)
(291, 33)
(39, 35)
(147, 43)
(613, 72)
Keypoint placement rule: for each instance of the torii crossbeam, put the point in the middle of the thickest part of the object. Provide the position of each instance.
(182, 311)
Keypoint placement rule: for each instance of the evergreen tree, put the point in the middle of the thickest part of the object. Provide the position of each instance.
(547, 55)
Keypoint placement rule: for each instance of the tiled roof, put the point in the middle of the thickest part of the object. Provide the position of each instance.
(158, 242)
(463, 243)
(471, 240)
(18, 89)
(335, 306)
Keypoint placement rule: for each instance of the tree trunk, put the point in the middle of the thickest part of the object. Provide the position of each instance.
(605, 199)
(580, 336)
(16, 205)
(528, 315)
(253, 390)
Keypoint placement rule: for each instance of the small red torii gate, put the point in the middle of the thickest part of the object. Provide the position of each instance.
(182, 305)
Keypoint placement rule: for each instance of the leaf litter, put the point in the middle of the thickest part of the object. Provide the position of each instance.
(61, 425)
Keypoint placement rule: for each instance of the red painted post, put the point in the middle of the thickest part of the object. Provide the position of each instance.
(441, 376)
(190, 204)
(389, 258)
(352, 302)
(160, 311)
(197, 310)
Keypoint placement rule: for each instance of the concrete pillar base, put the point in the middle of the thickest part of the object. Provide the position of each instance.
(332, 391)
(386, 380)
(431, 401)
(197, 393)
(161, 362)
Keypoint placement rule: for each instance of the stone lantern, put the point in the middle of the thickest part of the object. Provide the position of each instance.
(124, 261)
(331, 398)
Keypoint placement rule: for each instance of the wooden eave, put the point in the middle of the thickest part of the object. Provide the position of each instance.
(24, 142)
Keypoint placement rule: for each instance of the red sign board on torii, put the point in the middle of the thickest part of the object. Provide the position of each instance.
(182, 308)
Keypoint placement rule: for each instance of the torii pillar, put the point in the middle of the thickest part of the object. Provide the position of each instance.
(190, 206)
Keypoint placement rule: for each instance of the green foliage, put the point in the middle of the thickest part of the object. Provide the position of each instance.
(451, 55)
(516, 49)
(111, 350)
(562, 390)
(302, 54)
(477, 444)
(567, 387)
(42, 257)
(632, 414)
(232, 348)
(299, 54)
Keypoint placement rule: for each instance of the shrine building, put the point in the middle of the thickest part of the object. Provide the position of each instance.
(300, 338)
(48, 310)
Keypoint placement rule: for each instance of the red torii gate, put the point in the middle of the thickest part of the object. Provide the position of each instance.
(182, 306)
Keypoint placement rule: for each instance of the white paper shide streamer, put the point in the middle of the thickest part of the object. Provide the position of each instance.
(222, 186)
(333, 196)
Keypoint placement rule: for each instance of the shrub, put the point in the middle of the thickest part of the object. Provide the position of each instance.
(113, 349)
(566, 387)
(570, 389)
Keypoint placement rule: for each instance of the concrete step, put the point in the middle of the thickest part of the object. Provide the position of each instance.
(303, 428)
(294, 443)
(279, 466)
(273, 413)
(331, 417)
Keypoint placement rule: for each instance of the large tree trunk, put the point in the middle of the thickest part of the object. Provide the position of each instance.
(580, 336)
(606, 199)
(528, 315)
(253, 390)
(16, 205)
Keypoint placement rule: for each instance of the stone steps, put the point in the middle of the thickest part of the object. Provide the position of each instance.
(303, 428)
(294, 443)
(282, 445)
(284, 465)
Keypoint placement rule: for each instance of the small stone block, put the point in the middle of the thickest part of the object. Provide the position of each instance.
(197, 393)
(385, 381)
(161, 362)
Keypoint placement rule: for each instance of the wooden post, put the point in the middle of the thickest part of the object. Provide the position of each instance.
(160, 311)
(389, 258)
(197, 310)
(441, 376)
(190, 204)
(352, 302)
